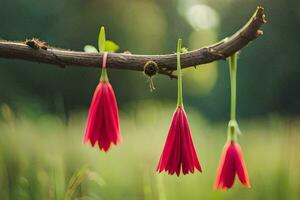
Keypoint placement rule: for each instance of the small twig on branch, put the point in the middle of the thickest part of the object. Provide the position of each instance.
(123, 61)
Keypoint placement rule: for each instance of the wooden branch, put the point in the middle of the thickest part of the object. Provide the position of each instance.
(39, 52)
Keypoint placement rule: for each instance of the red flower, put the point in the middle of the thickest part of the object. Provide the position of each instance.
(231, 163)
(103, 119)
(179, 151)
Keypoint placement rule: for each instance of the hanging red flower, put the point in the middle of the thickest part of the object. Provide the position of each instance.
(231, 163)
(179, 152)
(103, 119)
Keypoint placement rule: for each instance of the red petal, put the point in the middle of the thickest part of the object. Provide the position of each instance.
(192, 151)
(103, 119)
(241, 166)
(93, 117)
(173, 164)
(226, 169)
(187, 154)
(179, 150)
(164, 158)
(111, 116)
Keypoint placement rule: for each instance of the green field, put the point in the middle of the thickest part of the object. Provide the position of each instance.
(44, 158)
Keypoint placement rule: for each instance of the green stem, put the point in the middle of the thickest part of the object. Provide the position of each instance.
(233, 70)
(232, 131)
(101, 46)
(232, 125)
(104, 77)
(179, 81)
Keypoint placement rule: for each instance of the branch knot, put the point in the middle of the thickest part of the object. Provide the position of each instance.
(151, 68)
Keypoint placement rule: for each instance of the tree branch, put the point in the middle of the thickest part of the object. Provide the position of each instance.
(38, 52)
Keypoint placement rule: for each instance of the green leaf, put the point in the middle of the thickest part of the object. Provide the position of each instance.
(111, 46)
(78, 178)
(101, 39)
(90, 49)
(184, 50)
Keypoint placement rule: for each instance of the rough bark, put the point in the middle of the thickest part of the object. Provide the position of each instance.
(36, 51)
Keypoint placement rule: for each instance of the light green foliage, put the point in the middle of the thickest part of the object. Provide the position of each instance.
(111, 46)
(78, 178)
(90, 49)
(44, 158)
(105, 45)
(101, 40)
(184, 50)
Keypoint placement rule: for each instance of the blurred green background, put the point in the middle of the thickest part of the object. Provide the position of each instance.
(43, 108)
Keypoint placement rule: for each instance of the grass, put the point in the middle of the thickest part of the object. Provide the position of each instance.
(44, 158)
